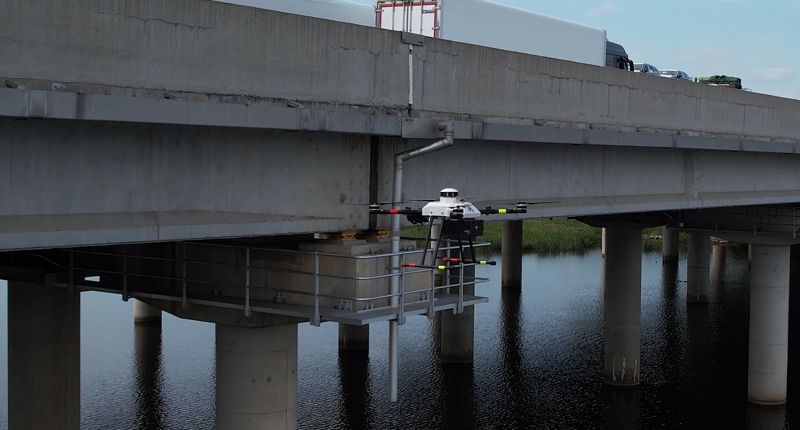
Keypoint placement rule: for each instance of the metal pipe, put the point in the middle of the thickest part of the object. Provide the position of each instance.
(394, 284)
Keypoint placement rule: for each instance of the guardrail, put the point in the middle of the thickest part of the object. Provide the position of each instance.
(435, 298)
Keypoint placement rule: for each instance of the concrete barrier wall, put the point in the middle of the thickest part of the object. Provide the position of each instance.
(202, 46)
(463, 78)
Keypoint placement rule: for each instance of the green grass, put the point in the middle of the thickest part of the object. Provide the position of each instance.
(553, 236)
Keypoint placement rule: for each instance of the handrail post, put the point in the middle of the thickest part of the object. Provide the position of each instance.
(401, 317)
(431, 308)
(71, 272)
(184, 300)
(247, 283)
(460, 306)
(315, 321)
(125, 274)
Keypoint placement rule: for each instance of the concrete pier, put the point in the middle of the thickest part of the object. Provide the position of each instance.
(256, 378)
(145, 314)
(458, 331)
(603, 244)
(670, 244)
(623, 282)
(44, 363)
(512, 254)
(769, 325)
(718, 255)
(697, 268)
(353, 338)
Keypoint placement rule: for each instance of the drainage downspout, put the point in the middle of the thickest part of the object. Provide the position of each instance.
(394, 281)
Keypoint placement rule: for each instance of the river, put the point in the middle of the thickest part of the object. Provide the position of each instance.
(538, 362)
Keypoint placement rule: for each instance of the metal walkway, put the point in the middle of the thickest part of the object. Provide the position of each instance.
(352, 310)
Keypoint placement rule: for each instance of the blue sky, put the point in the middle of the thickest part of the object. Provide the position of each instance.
(756, 40)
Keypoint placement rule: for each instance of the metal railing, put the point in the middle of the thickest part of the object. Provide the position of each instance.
(317, 312)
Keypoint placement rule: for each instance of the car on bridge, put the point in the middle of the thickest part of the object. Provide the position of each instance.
(645, 68)
(675, 74)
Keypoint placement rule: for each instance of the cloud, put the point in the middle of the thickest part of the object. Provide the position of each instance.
(605, 9)
(773, 74)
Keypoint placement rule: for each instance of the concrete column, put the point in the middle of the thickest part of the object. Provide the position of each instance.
(750, 252)
(603, 244)
(458, 331)
(144, 313)
(353, 338)
(44, 362)
(512, 254)
(697, 268)
(769, 325)
(256, 378)
(718, 254)
(670, 245)
(623, 310)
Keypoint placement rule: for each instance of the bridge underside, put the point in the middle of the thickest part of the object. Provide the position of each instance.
(69, 183)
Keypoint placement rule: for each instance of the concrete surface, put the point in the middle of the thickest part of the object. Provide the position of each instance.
(769, 325)
(204, 47)
(671, 244)
(558, 131)
(256, 378)
(353, 338)
(144, 313)
(511, 250)
(44, 358)
(698, 275)
(623, 310)
(458, 330)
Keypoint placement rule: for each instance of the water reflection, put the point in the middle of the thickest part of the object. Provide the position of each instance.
(622, 405)
(149, 373)
(766, 418)
(458, 385)
(355, 396)
(513, 375)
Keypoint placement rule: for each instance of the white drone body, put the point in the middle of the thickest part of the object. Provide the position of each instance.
(448, 203)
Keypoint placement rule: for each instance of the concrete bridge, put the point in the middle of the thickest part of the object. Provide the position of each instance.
(143, 137)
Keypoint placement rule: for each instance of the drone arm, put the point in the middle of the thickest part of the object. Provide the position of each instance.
(490, 211)
(396, 211)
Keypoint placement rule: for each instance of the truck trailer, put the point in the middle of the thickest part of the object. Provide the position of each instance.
(334, 10)
(721, 81)
(494, 25)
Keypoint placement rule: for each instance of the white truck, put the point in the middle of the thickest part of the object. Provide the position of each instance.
(494, 25)
(334, 10)
(477, 22)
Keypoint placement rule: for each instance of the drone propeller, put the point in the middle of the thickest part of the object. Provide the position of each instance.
(377, 203)
(506, 202)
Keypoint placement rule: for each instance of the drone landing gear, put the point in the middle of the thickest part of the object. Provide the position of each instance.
(459, 228)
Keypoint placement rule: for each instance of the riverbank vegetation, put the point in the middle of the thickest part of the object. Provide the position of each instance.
(553, 236)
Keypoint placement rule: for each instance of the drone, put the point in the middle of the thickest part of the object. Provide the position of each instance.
(459, 218)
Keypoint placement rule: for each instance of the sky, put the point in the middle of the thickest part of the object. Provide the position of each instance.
(756, 40)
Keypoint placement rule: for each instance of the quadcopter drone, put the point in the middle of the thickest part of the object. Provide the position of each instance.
(459, 218)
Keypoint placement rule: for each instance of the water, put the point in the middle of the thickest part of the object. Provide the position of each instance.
(538, 362)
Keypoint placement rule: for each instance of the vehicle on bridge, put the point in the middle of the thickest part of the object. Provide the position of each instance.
(617, 57)
(494, 25)
(334, 10)
(646, 68)
(675, 74)
(721, 81)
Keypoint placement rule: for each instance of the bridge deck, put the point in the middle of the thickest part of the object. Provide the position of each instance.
(168, 120)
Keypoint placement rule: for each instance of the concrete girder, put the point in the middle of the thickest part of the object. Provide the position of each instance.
(764, 225)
